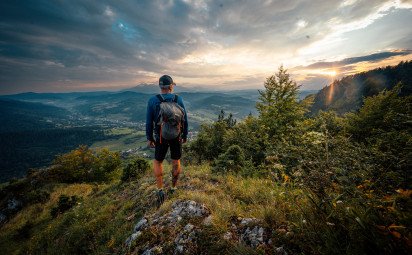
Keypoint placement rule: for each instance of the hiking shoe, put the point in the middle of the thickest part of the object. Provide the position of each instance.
(171, 190)
(160, 197)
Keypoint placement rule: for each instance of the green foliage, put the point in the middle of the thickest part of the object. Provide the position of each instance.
(251, 137)
(24, 231)
(327, 184)
(278, 106)
(83, 165)
(65, 203)
(24, 149)
(106, 162)
(231, 161)
(346, 95)
(348, 226)
(210, 141)
(385, 112)
(384, 125)
(38, 196)
(361, 159)
(135, 168)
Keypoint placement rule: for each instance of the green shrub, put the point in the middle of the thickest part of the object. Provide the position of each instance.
(24, 231)
(65, 203)
(233, 161)
(135, 168)
(84, 165)
(37, 196)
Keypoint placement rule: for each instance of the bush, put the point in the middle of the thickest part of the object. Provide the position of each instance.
(383, 124)
(24, 231)
(84, 165)
(37, 196)
(135, 168)
(233, 161)
(65, 203)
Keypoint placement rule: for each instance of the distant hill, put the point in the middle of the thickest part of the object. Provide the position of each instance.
(154, 89)
(37, 126)
(19, 115)
(346, 94)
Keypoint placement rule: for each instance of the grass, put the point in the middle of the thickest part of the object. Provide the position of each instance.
(106, 213)
(129, 139)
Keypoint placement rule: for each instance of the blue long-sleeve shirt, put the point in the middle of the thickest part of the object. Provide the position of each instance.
(153, 111)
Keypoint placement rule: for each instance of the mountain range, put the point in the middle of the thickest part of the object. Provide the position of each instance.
(37, 126)
(347, 94)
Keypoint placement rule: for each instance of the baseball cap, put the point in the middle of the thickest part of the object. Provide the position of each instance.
(166, 80)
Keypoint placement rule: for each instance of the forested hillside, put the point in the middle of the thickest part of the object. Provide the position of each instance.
(18, 116)
(346, 94)
(276, 183)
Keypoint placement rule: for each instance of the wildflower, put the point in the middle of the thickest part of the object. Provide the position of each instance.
(304, 221)
(339, 202)
(330, 224)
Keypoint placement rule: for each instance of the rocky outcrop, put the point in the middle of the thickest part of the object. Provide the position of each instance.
(248, 231)
(182, 226)
(10, 207)
(180, 222)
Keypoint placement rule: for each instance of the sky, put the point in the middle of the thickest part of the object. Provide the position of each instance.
(82, 45)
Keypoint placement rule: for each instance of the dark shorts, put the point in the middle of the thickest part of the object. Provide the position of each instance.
(161, 149)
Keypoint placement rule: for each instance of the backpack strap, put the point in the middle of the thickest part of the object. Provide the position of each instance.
(160, 98)
(175, 98)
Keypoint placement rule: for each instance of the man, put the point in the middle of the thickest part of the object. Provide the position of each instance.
(161, 145)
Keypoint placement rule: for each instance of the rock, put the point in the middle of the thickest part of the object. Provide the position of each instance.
(249, 221)
(2, 218)
(281, 231)
(280, 251)
(181, 209)
(14, 204)
(252, 237)
(185, 238)
(233, 227)
(207, 221)
(189, 208)
(179, 248)
(188, 227)
(153, 251)
(140, 225)
(133, 237)
(227, 236)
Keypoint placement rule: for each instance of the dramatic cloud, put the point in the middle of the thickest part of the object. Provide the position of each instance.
(87, 45)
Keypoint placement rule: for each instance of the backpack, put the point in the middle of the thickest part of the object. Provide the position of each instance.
(170, 118)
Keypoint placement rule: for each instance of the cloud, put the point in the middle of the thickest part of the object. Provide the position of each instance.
(81, 44)
(319, 74)
(375, 57)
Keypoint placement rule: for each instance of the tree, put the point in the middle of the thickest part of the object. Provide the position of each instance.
(278, 106)
(84, 165)
(384, 125)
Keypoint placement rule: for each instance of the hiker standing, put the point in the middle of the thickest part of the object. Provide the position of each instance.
(166, 116)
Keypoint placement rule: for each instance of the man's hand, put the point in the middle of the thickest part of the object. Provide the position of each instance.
(150, 144)
(183, 140)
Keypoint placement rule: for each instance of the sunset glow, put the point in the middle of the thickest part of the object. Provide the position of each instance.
(222, 45)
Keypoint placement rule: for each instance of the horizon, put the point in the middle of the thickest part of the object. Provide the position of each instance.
(130, 89)
(85, 47)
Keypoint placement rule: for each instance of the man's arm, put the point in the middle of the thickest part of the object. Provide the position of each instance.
(149, 122)
(185, 124)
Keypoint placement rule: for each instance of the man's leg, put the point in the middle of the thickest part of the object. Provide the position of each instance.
(176, 171)
(160, 153)
(158, 172)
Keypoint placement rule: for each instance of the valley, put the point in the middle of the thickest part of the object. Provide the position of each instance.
(38, 126)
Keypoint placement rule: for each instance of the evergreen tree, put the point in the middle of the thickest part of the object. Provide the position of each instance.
(278, 106)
